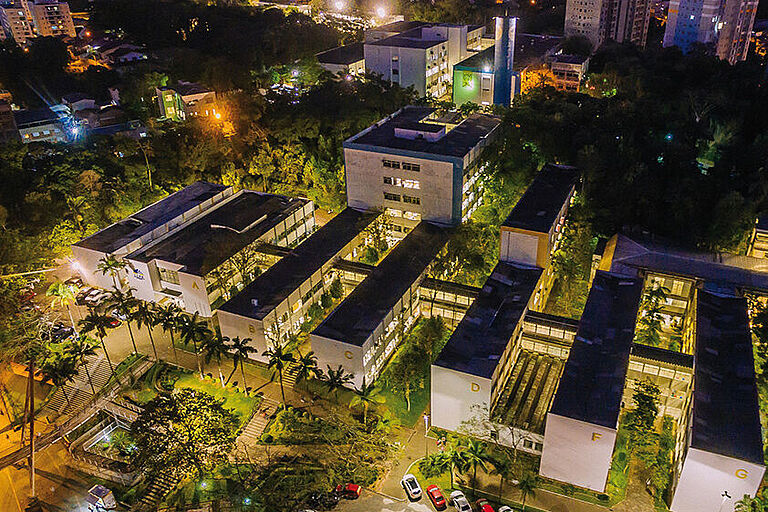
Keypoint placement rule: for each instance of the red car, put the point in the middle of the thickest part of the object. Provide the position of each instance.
(114, 322)
(483, 505)
(436, 497)
(27, 295)
(348, 491)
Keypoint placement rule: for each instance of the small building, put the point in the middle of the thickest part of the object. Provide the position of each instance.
(275, 304)
(203, 262)
(77, 101)
(418, 165)
(583, 420)
(362, 333)
(569, 71)
(344, 60)
(8, 130)
(149, 223)
(100, 499)
(40, 125)
(185, 99)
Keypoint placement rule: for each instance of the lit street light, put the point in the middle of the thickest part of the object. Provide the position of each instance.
(381, 11)
(339, 5)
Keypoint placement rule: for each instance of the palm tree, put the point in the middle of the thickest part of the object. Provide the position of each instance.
(124, 303)
(459, 460)
(145, 316)
(241, 350)
(60, 369)
(279, 359)
(366, 395)
(502, 467)
(193, 331)
(385, 423)
(77, 206)
(527, 486)
(109, 264)
(307, 364)
(63, 295)
(99, 324)
(337, 378)
(435, 464)
(169, 318)
(215, 347)
(749, 504)
(477, 455)
(81, 347)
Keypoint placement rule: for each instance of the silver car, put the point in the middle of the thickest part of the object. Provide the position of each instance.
(460, 502)
(411, 486)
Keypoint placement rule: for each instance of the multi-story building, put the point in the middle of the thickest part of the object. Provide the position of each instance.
(25, 19)
(362, 333)
(569, 71)
(348, 60)
(415, 165)
(40, 125)
(725, 24)
(186, 99)
(422, 57)
(277, 302)
(603, 20)
(205, 261)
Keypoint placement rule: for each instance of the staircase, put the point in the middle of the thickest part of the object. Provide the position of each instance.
(79, 391)
(158, 490)
(258, 422)
(289, 375)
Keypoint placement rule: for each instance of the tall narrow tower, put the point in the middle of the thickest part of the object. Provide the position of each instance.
(503, 60)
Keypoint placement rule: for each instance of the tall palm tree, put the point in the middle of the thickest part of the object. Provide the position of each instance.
(145, 316)
(215, 348)
(98, 323)
(81, 347)
(60, 369)
(193, 330)
(169, 317)
(124, 302)
(241, 350)
(503, 467)
(527, 486)
(109, 264)
(477, 455)
(338, 378)
(366, 395)
(279, 358)
(307, 367)
(459, 460)
(63, 295)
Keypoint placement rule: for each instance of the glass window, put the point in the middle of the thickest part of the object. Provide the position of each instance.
(411, 167)
(391, 164)
(391, 197)
(411, 200)
(388, 180)
(169, 276)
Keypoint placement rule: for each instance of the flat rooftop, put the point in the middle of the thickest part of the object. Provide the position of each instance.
(280, 280)
(409, 39)
(455, 143)
(146, 220)
(542, 201)
(25, 117)
(365, 308)
(397, 26)
(482, 335)
(526, 396)
(593, 380)
(726, 417)
(347, 54)
(629, 256)
(529, 49)
(211, 239)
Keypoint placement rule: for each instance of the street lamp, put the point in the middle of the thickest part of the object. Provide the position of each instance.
(426, 431)
(381, 11)
(339, 5)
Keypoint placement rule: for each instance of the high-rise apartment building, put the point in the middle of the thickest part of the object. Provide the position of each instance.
(23, 20)
(603, 20)
(725, 24)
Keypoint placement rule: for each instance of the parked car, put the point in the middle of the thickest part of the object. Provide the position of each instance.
(74, 281)
(56, 331)
(114, 322)
(505, 508)
(117, 314)
(460, 502)
(483, 505)
(83, 294)
(27, 294)
(348, 491)
(436, 497)
(411, 486)
(96, 297)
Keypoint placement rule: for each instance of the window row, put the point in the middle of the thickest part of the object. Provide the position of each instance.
(400, 182)
(406, 166)
(405, 198)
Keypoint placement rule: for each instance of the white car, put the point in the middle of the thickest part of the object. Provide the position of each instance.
(411, 486)
(505, 508)
(460, 502)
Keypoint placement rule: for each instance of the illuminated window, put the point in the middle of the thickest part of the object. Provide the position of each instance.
(412, 215)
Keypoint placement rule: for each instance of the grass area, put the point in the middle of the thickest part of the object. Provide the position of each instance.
(559, 304)
(578, 493)
(16, 393)
(294, 426)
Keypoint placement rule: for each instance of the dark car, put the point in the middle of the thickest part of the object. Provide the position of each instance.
(436, 497)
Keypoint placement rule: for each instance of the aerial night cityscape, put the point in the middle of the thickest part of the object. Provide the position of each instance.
(383, 255)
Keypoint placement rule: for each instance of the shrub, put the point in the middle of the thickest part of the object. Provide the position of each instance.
(267, 438)
(603, 497)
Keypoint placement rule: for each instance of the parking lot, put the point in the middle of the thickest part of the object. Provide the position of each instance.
(370, 502)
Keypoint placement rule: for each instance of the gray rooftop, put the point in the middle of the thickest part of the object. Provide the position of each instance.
(542, 201)
(456, 143)
(281, 279)
(592, 384)
(146, 220)
(530, 49)
(365, 308)
(212, 238)
(28, 117)
(627, 256)
(482, 335)
(726, 417)
(347, 54)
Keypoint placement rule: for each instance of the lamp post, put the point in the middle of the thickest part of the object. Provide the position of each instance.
(426, 431)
